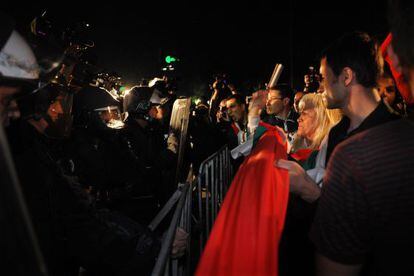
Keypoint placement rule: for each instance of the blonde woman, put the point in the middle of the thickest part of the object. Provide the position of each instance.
(314, 122)
(310, 144)
(309, 150)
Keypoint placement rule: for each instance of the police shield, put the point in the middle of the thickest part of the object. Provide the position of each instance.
(17, 239)
(179, 125)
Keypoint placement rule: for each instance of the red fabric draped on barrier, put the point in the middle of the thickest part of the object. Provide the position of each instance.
(245, 237)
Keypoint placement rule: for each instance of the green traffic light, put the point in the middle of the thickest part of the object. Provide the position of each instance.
(169, 59)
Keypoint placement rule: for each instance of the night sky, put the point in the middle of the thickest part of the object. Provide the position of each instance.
(241, 40)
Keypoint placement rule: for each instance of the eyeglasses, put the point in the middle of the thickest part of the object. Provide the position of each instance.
(275, 99)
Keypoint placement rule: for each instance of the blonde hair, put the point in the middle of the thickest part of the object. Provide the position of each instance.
(325, 119)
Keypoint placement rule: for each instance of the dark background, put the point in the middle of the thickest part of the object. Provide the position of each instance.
(242, 40)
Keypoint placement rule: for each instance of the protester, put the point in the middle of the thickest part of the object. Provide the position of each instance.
(368, 228)
(279, 109)
(350, 68)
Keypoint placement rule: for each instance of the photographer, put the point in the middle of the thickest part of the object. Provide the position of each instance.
(222, 116)
(312, 80)
(221, 91)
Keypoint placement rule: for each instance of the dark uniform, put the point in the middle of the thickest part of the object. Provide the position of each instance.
(157, 164)
(206, 138)
(102, 165)
(102, 161)
(145, 137)
(70, 230)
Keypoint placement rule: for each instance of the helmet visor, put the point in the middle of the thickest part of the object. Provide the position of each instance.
(111, 116)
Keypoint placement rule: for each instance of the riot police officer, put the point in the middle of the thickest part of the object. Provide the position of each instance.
(19, 73)
(156, 154)
(99, 160)
(70, 230)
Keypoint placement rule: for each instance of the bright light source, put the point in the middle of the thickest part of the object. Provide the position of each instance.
(170, 59)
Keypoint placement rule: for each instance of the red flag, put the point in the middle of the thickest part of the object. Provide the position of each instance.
(245, 237)
(400, 81)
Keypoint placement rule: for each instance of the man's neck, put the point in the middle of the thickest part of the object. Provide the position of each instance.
(361, 103)
(284, 114)
(242, 122)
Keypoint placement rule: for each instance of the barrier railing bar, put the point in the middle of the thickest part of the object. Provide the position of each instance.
(165, 210)
(164, 254)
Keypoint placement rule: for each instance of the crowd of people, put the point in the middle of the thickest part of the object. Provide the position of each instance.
(94, 170)
(96, 166)
(350, 201)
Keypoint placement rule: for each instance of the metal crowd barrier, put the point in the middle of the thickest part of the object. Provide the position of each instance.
(214, 178)
(182, 219)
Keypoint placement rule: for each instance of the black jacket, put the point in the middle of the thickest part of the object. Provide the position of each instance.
(70, 230)
(157, 164)
(103, 165)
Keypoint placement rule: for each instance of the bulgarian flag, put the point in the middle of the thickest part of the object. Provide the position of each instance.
(246, 234)
(302, 155)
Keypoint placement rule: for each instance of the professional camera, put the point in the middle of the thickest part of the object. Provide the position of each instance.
(220, 81)
(312, 81)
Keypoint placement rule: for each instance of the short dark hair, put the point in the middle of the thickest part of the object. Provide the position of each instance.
(239, 98)
(358, 51)
(285, 91)
(400, 18)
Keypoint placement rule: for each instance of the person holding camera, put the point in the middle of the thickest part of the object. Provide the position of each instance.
(221, 91)
(222, 115)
